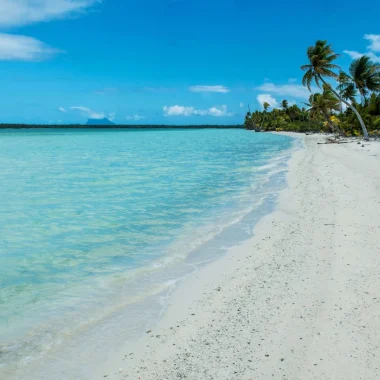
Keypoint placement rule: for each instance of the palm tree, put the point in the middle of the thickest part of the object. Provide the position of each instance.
(266, 105)
(320, 66)
(365, 75)
(257, 119)
(284, 105)
(294, 112)
(323, 104)
(374, 105)
(348, 92)
(248, 122)
(346, 88)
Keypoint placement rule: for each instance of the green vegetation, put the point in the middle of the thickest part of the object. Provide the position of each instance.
(335, 108)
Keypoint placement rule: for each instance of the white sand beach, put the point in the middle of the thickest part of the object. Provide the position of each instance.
(300, 300)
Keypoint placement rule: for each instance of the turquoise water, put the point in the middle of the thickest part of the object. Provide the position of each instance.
(91, 220)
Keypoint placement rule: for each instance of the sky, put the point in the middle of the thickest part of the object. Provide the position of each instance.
(167, 61)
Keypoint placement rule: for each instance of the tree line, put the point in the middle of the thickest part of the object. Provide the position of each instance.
(335, 108)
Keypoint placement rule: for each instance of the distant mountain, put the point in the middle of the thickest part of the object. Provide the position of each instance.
(99, 122)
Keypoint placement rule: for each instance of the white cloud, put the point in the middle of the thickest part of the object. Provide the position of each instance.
(97, 115)
(375, 58)
(267, 98)
(221, 89)
(375, 41)
(353, 54)
(81, 109)
(23, 12)
(178, 110)
(294, 90)
(16, 13)
(23, 48)
(356, 55)
(214, 111)
(373, 48)
(191, 111)
(135, 117)
(86, 112)
(241, 105)
(62, 109)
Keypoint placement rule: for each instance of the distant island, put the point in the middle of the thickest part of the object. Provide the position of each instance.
(115, 126)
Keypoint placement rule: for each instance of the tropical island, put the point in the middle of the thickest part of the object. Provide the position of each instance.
(299, 300)
(349, 106)
(221, 255)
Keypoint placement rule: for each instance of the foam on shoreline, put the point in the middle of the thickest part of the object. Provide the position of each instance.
(127, 306)
(299, 300)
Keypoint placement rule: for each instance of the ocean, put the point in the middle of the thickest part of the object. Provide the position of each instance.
(98, 226)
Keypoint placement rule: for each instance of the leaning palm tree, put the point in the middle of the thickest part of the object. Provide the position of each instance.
(324, 104)
(321, 66)
(365, 75)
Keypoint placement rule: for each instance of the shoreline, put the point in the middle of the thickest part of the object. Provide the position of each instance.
(205, 279)
(102, 337)
(206, 275)
(286, 302)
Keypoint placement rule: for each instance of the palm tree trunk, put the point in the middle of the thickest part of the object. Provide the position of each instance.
(364, 129)
(331, 124)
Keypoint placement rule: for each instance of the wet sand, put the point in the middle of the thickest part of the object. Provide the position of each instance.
(299, 300)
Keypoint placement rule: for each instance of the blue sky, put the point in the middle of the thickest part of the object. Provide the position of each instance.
(166, 61)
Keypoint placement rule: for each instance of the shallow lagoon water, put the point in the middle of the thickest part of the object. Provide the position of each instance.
(97, 227)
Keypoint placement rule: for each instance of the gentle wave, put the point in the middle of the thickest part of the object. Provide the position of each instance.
(106, 222)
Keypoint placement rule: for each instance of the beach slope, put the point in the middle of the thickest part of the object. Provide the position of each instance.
(300, 300)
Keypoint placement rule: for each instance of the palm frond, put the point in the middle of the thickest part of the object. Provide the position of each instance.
(321, 56)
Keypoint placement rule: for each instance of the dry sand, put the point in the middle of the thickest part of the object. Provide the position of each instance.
(300, 300)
